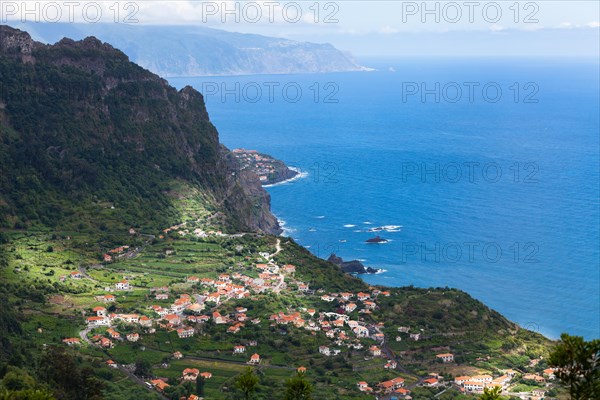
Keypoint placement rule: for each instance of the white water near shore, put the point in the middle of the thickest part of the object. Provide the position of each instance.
(300, 175)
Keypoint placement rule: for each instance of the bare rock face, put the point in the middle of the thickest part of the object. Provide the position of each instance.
(17, 43)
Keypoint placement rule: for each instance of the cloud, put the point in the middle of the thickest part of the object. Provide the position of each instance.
(497, 28)
(593, 24)
(565, 25)
(388, 30)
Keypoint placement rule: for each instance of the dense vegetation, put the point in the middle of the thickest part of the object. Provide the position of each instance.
(84, 133)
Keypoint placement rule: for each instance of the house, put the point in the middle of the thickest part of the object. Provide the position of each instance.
(301, 370)
(71, 341)
(100, 311)
(234, 328)
(113, 334)
(364, 386)
(460, 380)
(193, 279)
(97, 321)
(214, 298)
(133, 337)
(159, 384)
(239, 349)
(403, 329)
(185, 332)
(375, 351)
(370, 305)
(327, 298)
(130, 318)
(415, 336)
(363, 296)
(108, 298)
(112, 364)
(482, 378)
(289, 269)
(445, 357)
(76, 275)
(501, 380)
(303, 287)
(361, 332)
(123, 285)
(177, 355)
(205, 375)
(254, 359)
(471, 386)
(538, 393)
(105, 343)
(391, 385)
(430, 382)
(190, 374)
(533, 377)
(391, 364)
(106, 257)
(145, 321)
(349, 307)
(162, 296)
(218, 318)
(324, 350)
(195, 308)
(172, 319)
(549, 373)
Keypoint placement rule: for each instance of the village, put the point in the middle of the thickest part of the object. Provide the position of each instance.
(342, 324)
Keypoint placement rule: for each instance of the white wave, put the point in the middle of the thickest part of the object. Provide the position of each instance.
(320, 217)
(349, 226)
(301, 174)
(368, 223)
(380, 271)
(286, 230)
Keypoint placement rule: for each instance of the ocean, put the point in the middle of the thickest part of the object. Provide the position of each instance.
(481, 174)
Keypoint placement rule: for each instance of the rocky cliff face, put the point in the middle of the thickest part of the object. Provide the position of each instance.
(79, 120)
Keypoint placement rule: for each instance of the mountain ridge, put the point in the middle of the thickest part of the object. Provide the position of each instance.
(201, 51)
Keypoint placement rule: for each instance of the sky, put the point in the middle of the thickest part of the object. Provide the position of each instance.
(362, 28)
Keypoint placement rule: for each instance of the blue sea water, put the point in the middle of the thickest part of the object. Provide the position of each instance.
(498, 198)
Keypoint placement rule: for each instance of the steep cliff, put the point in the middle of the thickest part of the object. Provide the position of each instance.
(83, 128)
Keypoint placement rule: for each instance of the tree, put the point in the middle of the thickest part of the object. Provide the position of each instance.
(247, 382)
(17, 379)
(143, 368)
(200, 386)
(26, 395)
(491, 394)
(67, 377)
(298, 388)
(578, 366)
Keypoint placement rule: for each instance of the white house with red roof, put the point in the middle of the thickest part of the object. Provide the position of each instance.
(122, 285)
(185, 332)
